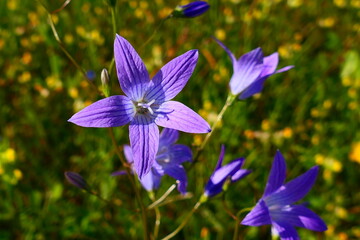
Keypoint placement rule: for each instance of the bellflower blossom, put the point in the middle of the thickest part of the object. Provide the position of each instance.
(251, 70)
(168, 161)
(191, 10)
(230, 171)
(276, 205)
(146, 104)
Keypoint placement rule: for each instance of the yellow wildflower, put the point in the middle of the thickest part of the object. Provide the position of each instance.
(354, 154)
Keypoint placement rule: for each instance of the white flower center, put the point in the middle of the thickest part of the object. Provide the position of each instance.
(145, 107)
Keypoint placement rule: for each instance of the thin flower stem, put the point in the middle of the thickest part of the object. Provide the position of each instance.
(61, 45)
(155, 31)
(162, 198)
(157, 217)
(132, 181)
(184, 222)
(238, 221)
(227, 210)
(230, 99)
(113, 20)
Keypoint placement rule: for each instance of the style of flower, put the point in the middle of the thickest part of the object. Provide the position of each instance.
(191, 10)
(168, 161)
(276, 205)
(146, 104)
(251, 70)
(231, 171)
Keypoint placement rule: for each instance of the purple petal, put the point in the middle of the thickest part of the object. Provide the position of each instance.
(294, 190)
(77, 180)
(286, 231)
(277, 174)
(144, 141)
(299, 216)
(151, 181)
(240, 175)
(113, 111)
(246, 70)
(168, 136)
(231, 55)
(180, 153)
(221, 157)
(284, 69)
(172, 77)
(132, 74)
(178, 172)
(118, 173)
(218, 178)
(128, 154)
(258, 216)
(254, 88)
(176, 115)
(270, 64)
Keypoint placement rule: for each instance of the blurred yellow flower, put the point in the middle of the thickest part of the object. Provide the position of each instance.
(68, 38)
(25, 77)
(26, 58)
(12, 5)
(9, 155)
(326, 22)
(355, 3)
(346, 81)
(341, 212)
(287, 132)
(354, 154)
(73, 92)
(337, 166)
(18, 174)
(249, 134)
(198, 139)
(220, 34)
(53, 82)
(327, 104)
(319, 159)
(80, 30)
(294, 3)
(1, 171)
(340, 3)
(2, 43)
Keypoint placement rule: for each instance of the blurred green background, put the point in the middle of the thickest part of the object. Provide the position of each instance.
(311, 113)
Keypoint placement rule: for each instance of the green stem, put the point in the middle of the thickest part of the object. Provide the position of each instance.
(162, 198)
(155, 31)
(230, 99)
(185, 221)
(113, 20)
(132, 181)
(238, 220)
(157, 217)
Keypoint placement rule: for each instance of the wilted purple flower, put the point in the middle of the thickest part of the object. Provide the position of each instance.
(168, 161)
(230, 171)
(146, 104)
(276, 205)
(251, 70)
(191, 10)
(77, 180)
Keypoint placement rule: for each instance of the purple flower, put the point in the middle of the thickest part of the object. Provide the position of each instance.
(168, 161)
(191, 10)
(276, 205)
(230, 171)
(146, 104)
(251, 70)
(77, 180)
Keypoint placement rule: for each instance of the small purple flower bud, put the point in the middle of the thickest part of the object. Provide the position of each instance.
(77, 180)
(191, 10)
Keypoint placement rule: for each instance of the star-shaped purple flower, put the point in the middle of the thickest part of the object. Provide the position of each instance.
(146, 104)
(251, 70)
(168, 161)
(276, 205)
(230, 171)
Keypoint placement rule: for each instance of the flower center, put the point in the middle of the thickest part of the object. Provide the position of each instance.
(145, 107)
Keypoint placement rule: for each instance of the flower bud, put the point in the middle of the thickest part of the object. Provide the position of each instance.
(105, 82)
(77, 180)
(191, 10)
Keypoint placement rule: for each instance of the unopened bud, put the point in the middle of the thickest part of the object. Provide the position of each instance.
(77, 180)
(105, 82)
(191, 10)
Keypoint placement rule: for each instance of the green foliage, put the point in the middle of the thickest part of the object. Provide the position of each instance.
(311, 113)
